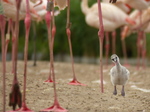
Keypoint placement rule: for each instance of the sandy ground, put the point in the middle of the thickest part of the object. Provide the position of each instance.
(81, 98)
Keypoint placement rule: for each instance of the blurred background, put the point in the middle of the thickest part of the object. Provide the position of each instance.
(85, 43)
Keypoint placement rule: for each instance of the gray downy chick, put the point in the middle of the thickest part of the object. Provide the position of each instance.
(119, 74)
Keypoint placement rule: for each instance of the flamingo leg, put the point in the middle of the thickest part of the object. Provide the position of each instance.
(56, 106)
(144, 51)
(27, 28)
(139, 41)
(48, 23)
(34, 43)
(139, 50)
(124, 52)
(7, 37)
(114, 42)
(13, 47)
(18, 2)
(68, 32)
(107, 47)
(15, 96)
(101, 38)
(2, 28)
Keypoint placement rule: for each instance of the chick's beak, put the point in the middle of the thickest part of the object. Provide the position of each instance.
(114, 59)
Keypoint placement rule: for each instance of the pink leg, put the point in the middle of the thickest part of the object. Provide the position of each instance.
(139, 41)
(15, 95)
(144, 51)
(124, 52)
(107, 46)
(68, 32)
(18, 2)
(48, 23)
(138, 49)
(114, 42)
(101, 38)
(13, 47)
(27, 28)
(74, 81)
(34, 43)
(56, 107)
(2, 28)
(8, 35)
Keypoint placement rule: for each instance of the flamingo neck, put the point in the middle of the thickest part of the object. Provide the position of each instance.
(85, 7)
(118, 66)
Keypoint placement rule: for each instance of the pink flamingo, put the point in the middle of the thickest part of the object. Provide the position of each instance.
(41, 10)
(126, 8)
(27, 22)
(136, 15)
(4, 52)
(68, 32)
(11, 5)
(50, 8)
(120, 4)
(101, 38)
(51, 34)
(16, 15)
(15, 95)
(146, 30)
(48, 23)
(139, 5)
(111, 20)
(61, 6)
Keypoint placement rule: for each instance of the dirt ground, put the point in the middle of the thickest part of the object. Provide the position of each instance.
(80, 98)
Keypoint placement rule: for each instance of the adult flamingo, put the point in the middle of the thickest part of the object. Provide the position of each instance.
(68, 32)
(146, 30)
(27, 22)
(139, 5)
(136, 15)
(110, 17)
(120, 4)
(4, 43)
(15, 95)
(51, 34)
(19, 11)
(62, 5)
(27, 26)
(127, 9)
(11, 5)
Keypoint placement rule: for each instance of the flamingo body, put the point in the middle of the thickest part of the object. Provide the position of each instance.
(137, 4)
(110, 13)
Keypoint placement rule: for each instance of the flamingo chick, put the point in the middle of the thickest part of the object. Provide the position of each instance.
(118, 74)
